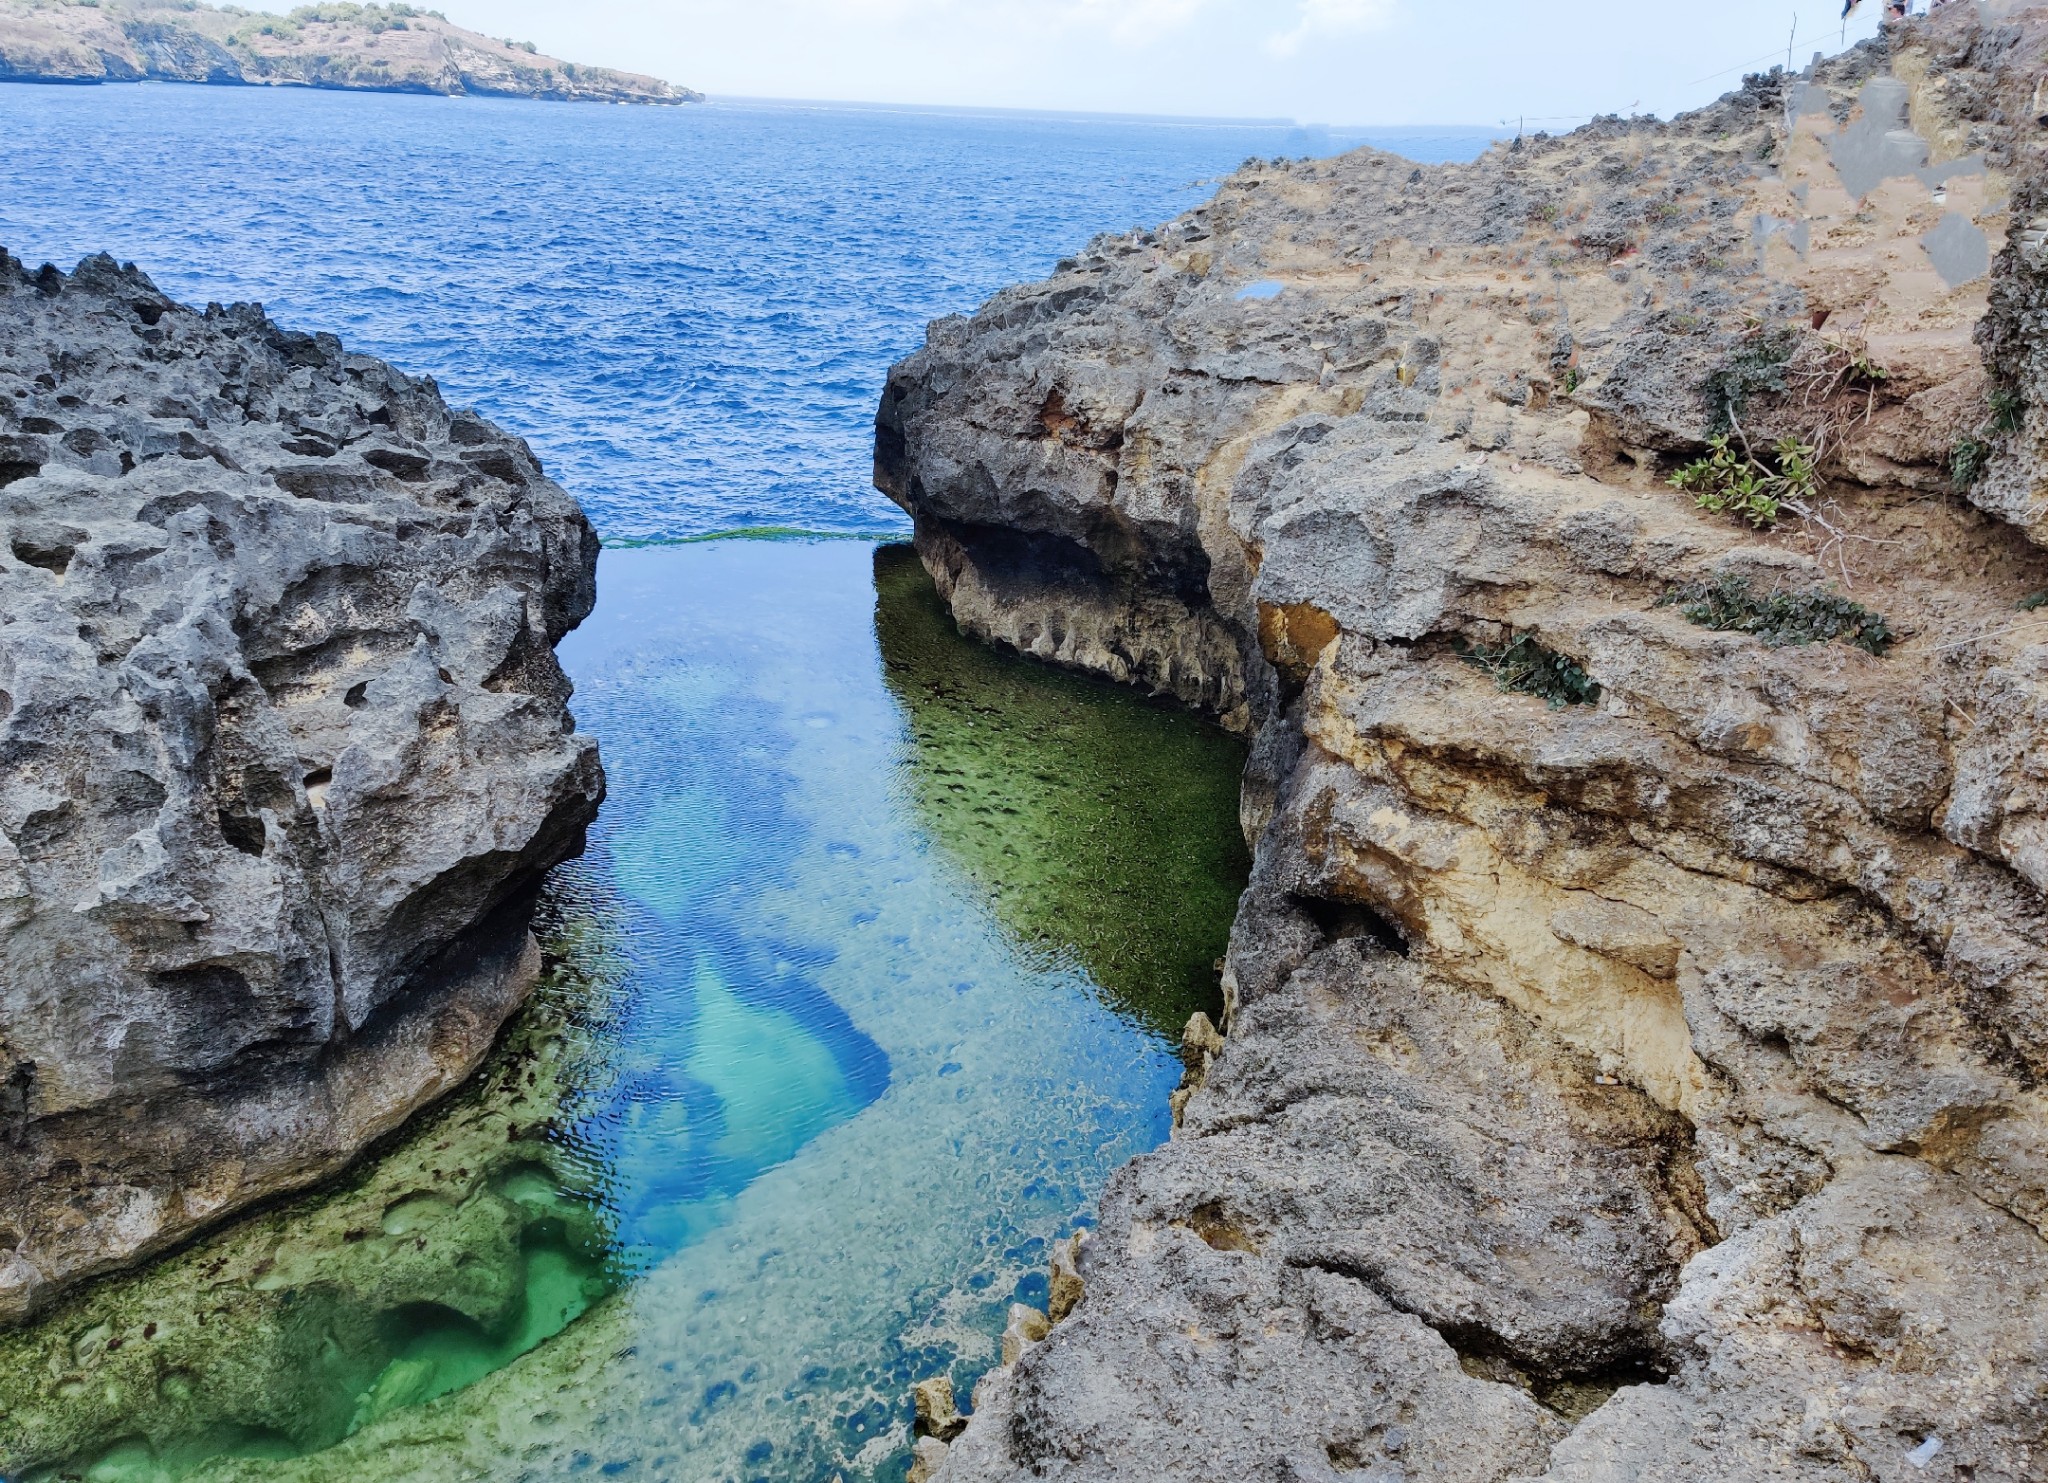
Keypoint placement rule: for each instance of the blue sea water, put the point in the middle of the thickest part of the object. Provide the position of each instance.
(843, 1110)
(688, 312)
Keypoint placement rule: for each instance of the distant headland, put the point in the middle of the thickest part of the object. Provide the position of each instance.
(377, 48)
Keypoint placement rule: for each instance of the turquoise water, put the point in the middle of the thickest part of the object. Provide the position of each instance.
(814, 1082)
(798, 948)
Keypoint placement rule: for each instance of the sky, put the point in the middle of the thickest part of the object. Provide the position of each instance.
(1314, 61)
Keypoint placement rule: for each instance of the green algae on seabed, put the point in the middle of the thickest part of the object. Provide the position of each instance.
(1083, 809)
(464, 1244)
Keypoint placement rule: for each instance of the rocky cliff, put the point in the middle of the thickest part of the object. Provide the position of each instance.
(284, 751)
(1626, 554)
(376, 48)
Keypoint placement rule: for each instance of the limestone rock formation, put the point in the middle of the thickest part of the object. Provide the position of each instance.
(284, 751)
(1639, 1017)
(391, 48)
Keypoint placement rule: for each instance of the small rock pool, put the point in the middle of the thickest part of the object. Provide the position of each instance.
(870, 977)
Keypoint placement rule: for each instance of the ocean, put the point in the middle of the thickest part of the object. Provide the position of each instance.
(687, 311)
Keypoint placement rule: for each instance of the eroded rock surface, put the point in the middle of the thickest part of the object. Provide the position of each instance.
(284, 751)
(1636, 1079)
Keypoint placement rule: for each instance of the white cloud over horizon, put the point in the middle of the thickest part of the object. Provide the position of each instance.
(1330, 18)
(1334, 62)
(1135, 22)
(1138, 22)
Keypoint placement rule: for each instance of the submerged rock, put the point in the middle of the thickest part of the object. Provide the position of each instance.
(1128, 875)
(284, 752)
(937, 1415)
(1638, 1016)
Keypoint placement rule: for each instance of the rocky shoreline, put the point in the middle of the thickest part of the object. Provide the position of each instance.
(1638, 1019)
(284, 754)
(389, 48)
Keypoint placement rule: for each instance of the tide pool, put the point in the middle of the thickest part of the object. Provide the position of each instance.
(822, 1066)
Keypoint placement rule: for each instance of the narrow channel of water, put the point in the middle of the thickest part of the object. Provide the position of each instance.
(866, 984)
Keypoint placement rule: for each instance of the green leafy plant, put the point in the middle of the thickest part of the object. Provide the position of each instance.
(1731, 481)
(1780, 619)
(1796, 471)
(2008, 411)
(1723, 481)
(1571, 381)
(1524, 667)
(1966, 462)
(1858, 368)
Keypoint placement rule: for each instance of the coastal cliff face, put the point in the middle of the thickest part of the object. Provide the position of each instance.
(375, 48)
(284, 751)
(1638, 1019)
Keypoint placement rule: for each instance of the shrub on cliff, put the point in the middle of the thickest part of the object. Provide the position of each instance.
(1732, 482)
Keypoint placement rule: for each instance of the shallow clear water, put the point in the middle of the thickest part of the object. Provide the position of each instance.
(871, 974)
(687, 311)
(825, 1062)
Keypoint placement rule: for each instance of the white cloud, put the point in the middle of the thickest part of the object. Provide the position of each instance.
(1330, 18)
(1133, 21)
(1130, 22)
(1250, 58)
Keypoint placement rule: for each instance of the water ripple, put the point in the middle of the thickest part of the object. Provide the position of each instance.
(687, 312)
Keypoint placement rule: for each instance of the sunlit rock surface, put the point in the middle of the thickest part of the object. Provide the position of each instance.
(284, 751)
(1640, 1085)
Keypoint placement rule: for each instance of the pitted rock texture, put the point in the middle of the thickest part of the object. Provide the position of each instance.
(284, 751)
(1643, 1088)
